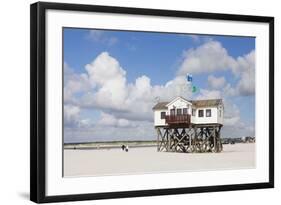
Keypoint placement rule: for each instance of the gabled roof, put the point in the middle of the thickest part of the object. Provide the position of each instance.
(195, 103)
(206, 103)
(160, 106)
(178, 98)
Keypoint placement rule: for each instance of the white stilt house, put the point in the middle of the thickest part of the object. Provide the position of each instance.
(181, 111)
(189, 126)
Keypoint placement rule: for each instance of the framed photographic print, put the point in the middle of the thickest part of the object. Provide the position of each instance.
(129, 102)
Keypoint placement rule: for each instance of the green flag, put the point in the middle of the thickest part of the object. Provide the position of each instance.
(194, 89)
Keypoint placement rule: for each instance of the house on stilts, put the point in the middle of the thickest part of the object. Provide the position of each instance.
(189, 125)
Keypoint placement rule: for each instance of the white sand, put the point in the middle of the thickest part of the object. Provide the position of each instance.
(148, 160)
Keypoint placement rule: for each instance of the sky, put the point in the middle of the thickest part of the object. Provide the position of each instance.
(112, 79)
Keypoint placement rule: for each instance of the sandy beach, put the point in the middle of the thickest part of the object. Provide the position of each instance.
(92, 162)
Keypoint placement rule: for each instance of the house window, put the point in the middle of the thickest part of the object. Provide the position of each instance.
(172, 112)
(201, 113)
(163, 115)
(179, 111)
(185, 111)
(208, 113)
(193, 112)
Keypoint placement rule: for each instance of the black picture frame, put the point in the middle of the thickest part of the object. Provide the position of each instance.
(38, 101)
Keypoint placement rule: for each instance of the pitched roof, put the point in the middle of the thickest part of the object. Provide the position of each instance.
(196, 103)
(160, 106)
(178, 98)
(206, 103)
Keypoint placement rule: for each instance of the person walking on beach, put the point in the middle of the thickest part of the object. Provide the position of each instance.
(123, 147)
(127, 148)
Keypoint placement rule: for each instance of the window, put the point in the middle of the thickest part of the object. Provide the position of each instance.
(172, 112)
(185, 111)
(201, 113)
(179, 111)
(163, 115)
(208, 113)
(193, 112)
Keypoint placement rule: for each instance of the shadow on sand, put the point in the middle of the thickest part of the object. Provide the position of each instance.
(24, 195)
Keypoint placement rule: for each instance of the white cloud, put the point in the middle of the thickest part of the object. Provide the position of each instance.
(245, 70)
(108, 76)
(101, 37)
(143, 131)
(228, 90)
(212, 56)
(74, 83)
(195, 38)
(209, 94)
(72, 118)
(71, 115)
(246, 85)
(129, 105)
(105, 86)
(110, 120)
(216, 82)
(208, 57)
(233, 125)
(231, 114)
(132, 101)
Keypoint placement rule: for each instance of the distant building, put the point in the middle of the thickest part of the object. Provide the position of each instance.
(248, 139)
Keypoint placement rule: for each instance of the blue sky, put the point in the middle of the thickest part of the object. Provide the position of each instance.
(155, 59)
(137, 50)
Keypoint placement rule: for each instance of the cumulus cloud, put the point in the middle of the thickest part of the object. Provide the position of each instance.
(209, 94)
(212, 56)
(232, 118)
(216, 82)
(229, 90)
(72, 118)
(71, 115)
(208, 57)
(104, 87)
(231, 114)
(233, 125)
(74, 83)
(100, 36)
(108, 76)
(107, 89)
(110, 120)
(246, 85)
(132, 101)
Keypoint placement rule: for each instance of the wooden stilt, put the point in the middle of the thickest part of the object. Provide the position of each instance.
(189, 139)
(157, 131)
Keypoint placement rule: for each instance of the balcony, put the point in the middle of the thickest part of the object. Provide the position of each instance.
(177, 119)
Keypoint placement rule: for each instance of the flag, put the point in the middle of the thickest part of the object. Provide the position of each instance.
(194, 89)
(189, 78)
